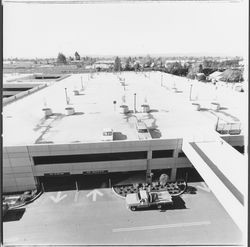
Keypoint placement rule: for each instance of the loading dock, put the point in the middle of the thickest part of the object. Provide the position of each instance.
(104, 179)
(65, 181)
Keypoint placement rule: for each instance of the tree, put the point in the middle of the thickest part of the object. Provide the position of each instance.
(117, 65)
(77, 56)
(148, 61)
(61, 58)
(176, 68)
(194, 69)
(200, 68)
(232, 75)
(136, 66)
(128, 64)
(163, 179)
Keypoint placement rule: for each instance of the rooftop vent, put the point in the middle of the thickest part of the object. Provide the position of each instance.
(47, 112)
(76, 92)
(196, 106)
(69, 110)
(215, 106)
(145, 108)
(124, 109)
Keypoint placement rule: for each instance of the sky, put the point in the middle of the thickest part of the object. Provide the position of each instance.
(203, 28)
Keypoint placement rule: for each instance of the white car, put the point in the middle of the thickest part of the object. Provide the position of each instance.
(107, 134)
(142, 130)
(145, 199)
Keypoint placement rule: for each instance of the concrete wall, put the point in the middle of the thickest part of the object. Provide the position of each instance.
(19, 171)
(225, 194)
(19, 95)
(237, 140)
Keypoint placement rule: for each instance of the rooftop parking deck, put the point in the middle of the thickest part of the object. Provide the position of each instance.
(171, 112)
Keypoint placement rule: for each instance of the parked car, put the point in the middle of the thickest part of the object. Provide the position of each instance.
(143, 133)
(145, 199)
(107, 134)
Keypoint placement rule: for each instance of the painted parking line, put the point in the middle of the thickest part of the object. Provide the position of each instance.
(58, 197)
(154, 227)
(94, 194)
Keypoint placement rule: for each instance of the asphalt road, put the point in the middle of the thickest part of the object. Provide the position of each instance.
(100, 217)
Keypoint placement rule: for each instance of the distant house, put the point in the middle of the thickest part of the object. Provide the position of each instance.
(200, 77)
(103, 64)
(89, 67)
(215, 76)
(19, 64)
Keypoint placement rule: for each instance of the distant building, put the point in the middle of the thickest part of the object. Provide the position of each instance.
(200, 76)
(103, 64)
(215, 76)
(19, 64)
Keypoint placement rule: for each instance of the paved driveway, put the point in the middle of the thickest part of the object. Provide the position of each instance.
(100, 217)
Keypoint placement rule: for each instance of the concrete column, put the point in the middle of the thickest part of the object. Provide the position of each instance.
(173, 174)
(175, 154)
(148, 171)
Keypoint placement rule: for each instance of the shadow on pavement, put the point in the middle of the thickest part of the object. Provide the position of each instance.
(178, 203)
(78, 113)
(80, 94)
(153, 110)
(204, 109)
(191, 190)
(223, 108)
(13, 215)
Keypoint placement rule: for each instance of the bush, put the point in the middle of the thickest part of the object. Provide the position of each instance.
(232, 75)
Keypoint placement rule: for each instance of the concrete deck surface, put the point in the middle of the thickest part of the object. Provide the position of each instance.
(172, 114)
(197, 219)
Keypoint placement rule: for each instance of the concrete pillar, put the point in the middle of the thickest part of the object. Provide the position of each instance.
(148, 168)
(173, 174)
(175, 154)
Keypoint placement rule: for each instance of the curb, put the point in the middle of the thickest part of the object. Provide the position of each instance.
(175, 195)
(117, 193)
(24, 204)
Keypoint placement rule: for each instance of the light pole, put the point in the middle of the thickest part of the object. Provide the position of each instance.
(114, 102)
(190, 93)
(66, 95)
(135, 102)
(81, 83)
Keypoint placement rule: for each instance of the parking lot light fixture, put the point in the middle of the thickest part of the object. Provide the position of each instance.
(135, 102)
(66, 95)
(81, 83)
(190, 92)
